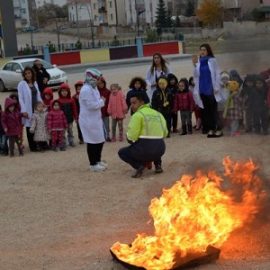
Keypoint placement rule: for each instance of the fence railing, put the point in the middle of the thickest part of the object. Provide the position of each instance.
(97, 44)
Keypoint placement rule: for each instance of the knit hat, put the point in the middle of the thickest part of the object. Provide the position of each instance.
(91, 76)
(78, 83)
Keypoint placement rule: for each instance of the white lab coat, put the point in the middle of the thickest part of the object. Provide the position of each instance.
(151, 79)
(215, 76)
(90, 118)
(25, 100)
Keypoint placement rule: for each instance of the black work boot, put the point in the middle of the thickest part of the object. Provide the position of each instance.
(189, 129)
(158, 169)
(184, 130)
(138, 173)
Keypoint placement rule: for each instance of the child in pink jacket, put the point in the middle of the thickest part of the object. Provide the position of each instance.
(117, 109)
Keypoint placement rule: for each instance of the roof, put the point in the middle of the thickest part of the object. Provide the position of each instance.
(22, 60)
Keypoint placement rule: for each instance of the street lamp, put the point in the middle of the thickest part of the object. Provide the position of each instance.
(138, 13)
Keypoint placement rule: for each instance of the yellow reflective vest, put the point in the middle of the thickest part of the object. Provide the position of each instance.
(146, 123)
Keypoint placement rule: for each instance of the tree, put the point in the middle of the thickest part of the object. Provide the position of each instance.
(177, 22)
(210, 12)
(49, 11)
(257, 15)
(190, 9)
(161, 17)
(169, 22)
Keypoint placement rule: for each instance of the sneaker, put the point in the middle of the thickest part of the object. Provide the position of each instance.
(218, 133)
(103, 163)
(72, 144)
(211, 134)
(97, 168)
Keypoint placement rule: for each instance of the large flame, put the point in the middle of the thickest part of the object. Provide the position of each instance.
(194, 213)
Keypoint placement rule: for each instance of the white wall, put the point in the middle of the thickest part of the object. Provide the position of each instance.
(40, 3)
(84, 12)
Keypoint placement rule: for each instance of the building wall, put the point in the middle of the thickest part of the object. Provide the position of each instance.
(84, 12)
(8, 39)
(21, 13)
(148, 17)
(40, 3)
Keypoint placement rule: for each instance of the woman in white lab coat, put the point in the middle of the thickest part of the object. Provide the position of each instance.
(207, 91)
(158, 68)
(90, 119)
(29, 95)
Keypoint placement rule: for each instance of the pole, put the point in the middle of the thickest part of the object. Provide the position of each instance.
(77, 20)
(88, 7)
(32, 38)
(58, 35)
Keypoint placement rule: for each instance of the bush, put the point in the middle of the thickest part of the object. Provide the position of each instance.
(151, 35)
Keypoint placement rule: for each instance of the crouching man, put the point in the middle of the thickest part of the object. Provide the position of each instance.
(146, 132)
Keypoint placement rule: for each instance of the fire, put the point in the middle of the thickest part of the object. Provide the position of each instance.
(194, 213)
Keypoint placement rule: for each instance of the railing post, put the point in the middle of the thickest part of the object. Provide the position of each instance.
(46, 53)
(139, 45)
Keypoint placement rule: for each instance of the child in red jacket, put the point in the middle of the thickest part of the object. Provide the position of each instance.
(47, 97)
(185, 104)
(68, 106)
(11, 122)
(105, 93)
(78, 85)
(56, 125)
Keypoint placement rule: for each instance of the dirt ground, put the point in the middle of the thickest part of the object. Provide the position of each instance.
(57, 215)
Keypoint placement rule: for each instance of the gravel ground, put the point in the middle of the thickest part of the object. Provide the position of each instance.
(57, 215)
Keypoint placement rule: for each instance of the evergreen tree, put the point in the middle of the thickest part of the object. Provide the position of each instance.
(190, 9)
(169, 22)
(161, 17)
(177, 22)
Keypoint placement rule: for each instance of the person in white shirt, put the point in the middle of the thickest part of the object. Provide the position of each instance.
(158, 68)
(90, 119)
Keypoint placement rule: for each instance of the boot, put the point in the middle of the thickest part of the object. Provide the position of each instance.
(121, 135)
(184, 130)
(190, 129)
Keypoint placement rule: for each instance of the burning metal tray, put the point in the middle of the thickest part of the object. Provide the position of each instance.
(191, 260)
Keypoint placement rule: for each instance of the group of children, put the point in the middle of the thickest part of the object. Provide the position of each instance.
(51, 122)
(245, 104)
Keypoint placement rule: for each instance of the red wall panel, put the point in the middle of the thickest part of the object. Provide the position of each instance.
(163, 48)
(66, 58)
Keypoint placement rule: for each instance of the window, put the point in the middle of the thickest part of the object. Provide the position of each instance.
(110, 4)
(7, 66)
(96, 18)
(16, 67)
(111, 16)
(94, 6)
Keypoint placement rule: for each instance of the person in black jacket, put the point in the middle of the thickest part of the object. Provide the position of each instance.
(42, 76)
(137, 84)
(173, 88)
(162, 101)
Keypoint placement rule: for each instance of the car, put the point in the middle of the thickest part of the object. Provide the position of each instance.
(11, 73)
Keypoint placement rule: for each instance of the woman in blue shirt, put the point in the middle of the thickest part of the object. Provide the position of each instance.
(207, 92)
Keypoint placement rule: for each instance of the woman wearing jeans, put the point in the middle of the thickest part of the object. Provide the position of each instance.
(90, 119)
(207, 90)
